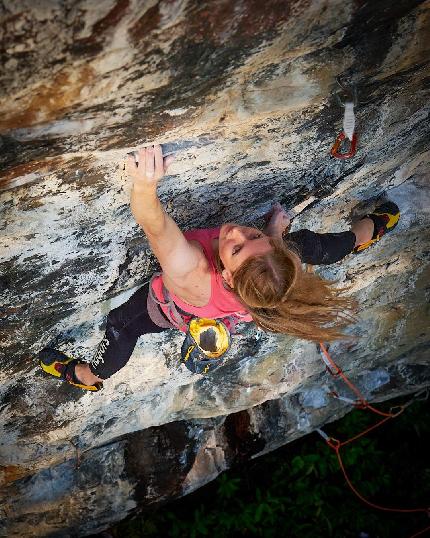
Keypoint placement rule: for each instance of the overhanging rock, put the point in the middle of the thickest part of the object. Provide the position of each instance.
(246, 91)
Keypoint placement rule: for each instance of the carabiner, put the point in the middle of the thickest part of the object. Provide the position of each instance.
(335, 150)
(333, 443)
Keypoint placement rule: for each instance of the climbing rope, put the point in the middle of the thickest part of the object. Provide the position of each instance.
(362, 403)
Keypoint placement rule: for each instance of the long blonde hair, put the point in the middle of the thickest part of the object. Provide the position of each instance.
(282, 298)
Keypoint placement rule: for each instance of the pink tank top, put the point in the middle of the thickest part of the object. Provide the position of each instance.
(222, 302)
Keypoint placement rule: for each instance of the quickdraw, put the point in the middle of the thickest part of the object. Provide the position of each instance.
(348, 132)
(362, 403)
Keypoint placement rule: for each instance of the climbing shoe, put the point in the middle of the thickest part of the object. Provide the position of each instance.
(57, 364)
(385, 218)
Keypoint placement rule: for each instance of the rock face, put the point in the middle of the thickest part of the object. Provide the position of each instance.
(247, 90)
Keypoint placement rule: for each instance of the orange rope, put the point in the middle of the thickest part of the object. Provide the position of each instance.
(420, 532)
(373, 505)
(367, 430)
(361, 399)
(336, 445)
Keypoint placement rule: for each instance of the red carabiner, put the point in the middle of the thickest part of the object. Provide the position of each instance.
(334, 152)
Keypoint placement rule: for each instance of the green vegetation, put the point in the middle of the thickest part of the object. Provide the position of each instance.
(299, 491)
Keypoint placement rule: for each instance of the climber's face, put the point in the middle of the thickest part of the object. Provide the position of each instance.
(238, 243)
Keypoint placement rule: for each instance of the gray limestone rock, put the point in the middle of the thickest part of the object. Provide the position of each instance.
(244, 94)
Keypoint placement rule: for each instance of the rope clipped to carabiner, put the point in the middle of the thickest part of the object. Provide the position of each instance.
(361, 402)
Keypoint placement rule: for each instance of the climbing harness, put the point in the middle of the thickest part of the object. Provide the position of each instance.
(361, 403)
(167, 305)
(348, 132)
(207, 340)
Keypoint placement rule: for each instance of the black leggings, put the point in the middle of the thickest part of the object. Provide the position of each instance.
(322, 249)
(130, 320)
(124, 325)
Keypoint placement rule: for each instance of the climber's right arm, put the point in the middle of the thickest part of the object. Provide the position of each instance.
(178, 258)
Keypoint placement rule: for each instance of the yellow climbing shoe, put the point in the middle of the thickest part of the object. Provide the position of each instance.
(385, 218)
(58, 364)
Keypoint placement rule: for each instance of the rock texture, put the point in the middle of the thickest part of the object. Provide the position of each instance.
(247, 90)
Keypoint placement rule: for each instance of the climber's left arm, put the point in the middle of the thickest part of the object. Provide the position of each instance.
(177, 256)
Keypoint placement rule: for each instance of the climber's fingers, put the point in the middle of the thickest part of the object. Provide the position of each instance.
(282, 219)
(149, 161)
(274, 209)
(279, 221)
(147, 165)
(131, 164)
(280, 213)
(168, 161)
(141, 159)
(159, 165)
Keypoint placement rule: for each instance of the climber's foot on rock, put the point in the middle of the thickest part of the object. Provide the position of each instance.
(372, 227)
(58, 364)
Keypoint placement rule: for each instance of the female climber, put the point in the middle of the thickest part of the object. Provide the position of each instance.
(231, 273)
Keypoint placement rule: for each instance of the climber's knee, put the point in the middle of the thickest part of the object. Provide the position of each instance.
(116, 319)
(125, 313)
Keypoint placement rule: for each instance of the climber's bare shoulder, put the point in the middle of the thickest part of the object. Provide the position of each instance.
(195, 286)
